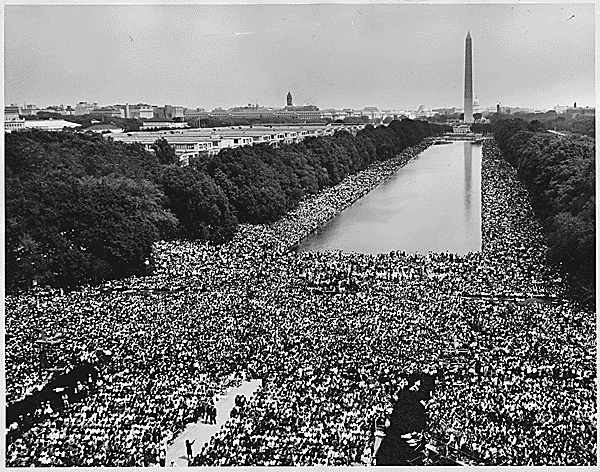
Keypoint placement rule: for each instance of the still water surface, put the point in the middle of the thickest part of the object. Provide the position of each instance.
(432, 204)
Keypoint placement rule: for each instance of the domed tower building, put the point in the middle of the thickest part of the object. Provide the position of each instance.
(476, 106)
(289, 99)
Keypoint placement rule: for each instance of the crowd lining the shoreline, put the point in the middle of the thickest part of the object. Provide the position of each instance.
(332, 335)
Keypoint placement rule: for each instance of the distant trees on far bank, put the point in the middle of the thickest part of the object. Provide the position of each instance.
(550, 120)
(559, 172)
(82, 209)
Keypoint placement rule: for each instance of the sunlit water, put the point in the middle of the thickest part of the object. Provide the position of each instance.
(431, 204)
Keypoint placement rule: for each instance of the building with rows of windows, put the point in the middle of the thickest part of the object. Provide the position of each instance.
(198, 142)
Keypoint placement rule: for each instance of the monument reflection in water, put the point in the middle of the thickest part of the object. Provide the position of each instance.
(468, 160)
(432, 204)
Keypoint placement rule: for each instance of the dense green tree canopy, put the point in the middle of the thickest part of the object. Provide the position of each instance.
(559, 172)
(79, 209)
(164, 152)
(198, 203)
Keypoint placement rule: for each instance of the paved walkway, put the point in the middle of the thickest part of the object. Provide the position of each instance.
(202, 432)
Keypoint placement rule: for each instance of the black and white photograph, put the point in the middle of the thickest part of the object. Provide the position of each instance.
(299, 234)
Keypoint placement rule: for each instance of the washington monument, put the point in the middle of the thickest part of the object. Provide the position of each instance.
(468, 109)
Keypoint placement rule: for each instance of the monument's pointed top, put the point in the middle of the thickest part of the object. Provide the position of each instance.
(468, 35)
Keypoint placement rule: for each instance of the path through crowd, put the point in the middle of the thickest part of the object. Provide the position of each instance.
(200, 432)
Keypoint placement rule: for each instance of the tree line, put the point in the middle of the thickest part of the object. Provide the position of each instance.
(559, 172)
(81, 209)
(536, 122)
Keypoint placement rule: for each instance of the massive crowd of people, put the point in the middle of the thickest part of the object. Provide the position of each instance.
(333, 336)
(527, 395)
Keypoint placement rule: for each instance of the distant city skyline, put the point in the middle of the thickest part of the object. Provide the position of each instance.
(333, 56)
(42, 106)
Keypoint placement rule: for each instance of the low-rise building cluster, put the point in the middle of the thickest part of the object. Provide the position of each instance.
(170, 116)
(198, 142)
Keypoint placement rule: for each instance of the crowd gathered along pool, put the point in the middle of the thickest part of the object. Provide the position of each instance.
(331, 335)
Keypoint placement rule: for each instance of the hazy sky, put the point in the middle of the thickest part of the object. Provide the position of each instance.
(390, 56)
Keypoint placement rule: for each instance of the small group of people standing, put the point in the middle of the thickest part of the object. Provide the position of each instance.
(208, 413)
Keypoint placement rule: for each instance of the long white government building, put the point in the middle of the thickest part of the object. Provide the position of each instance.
(197, 142)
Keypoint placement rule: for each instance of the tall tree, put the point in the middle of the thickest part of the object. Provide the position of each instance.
(165, 153)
